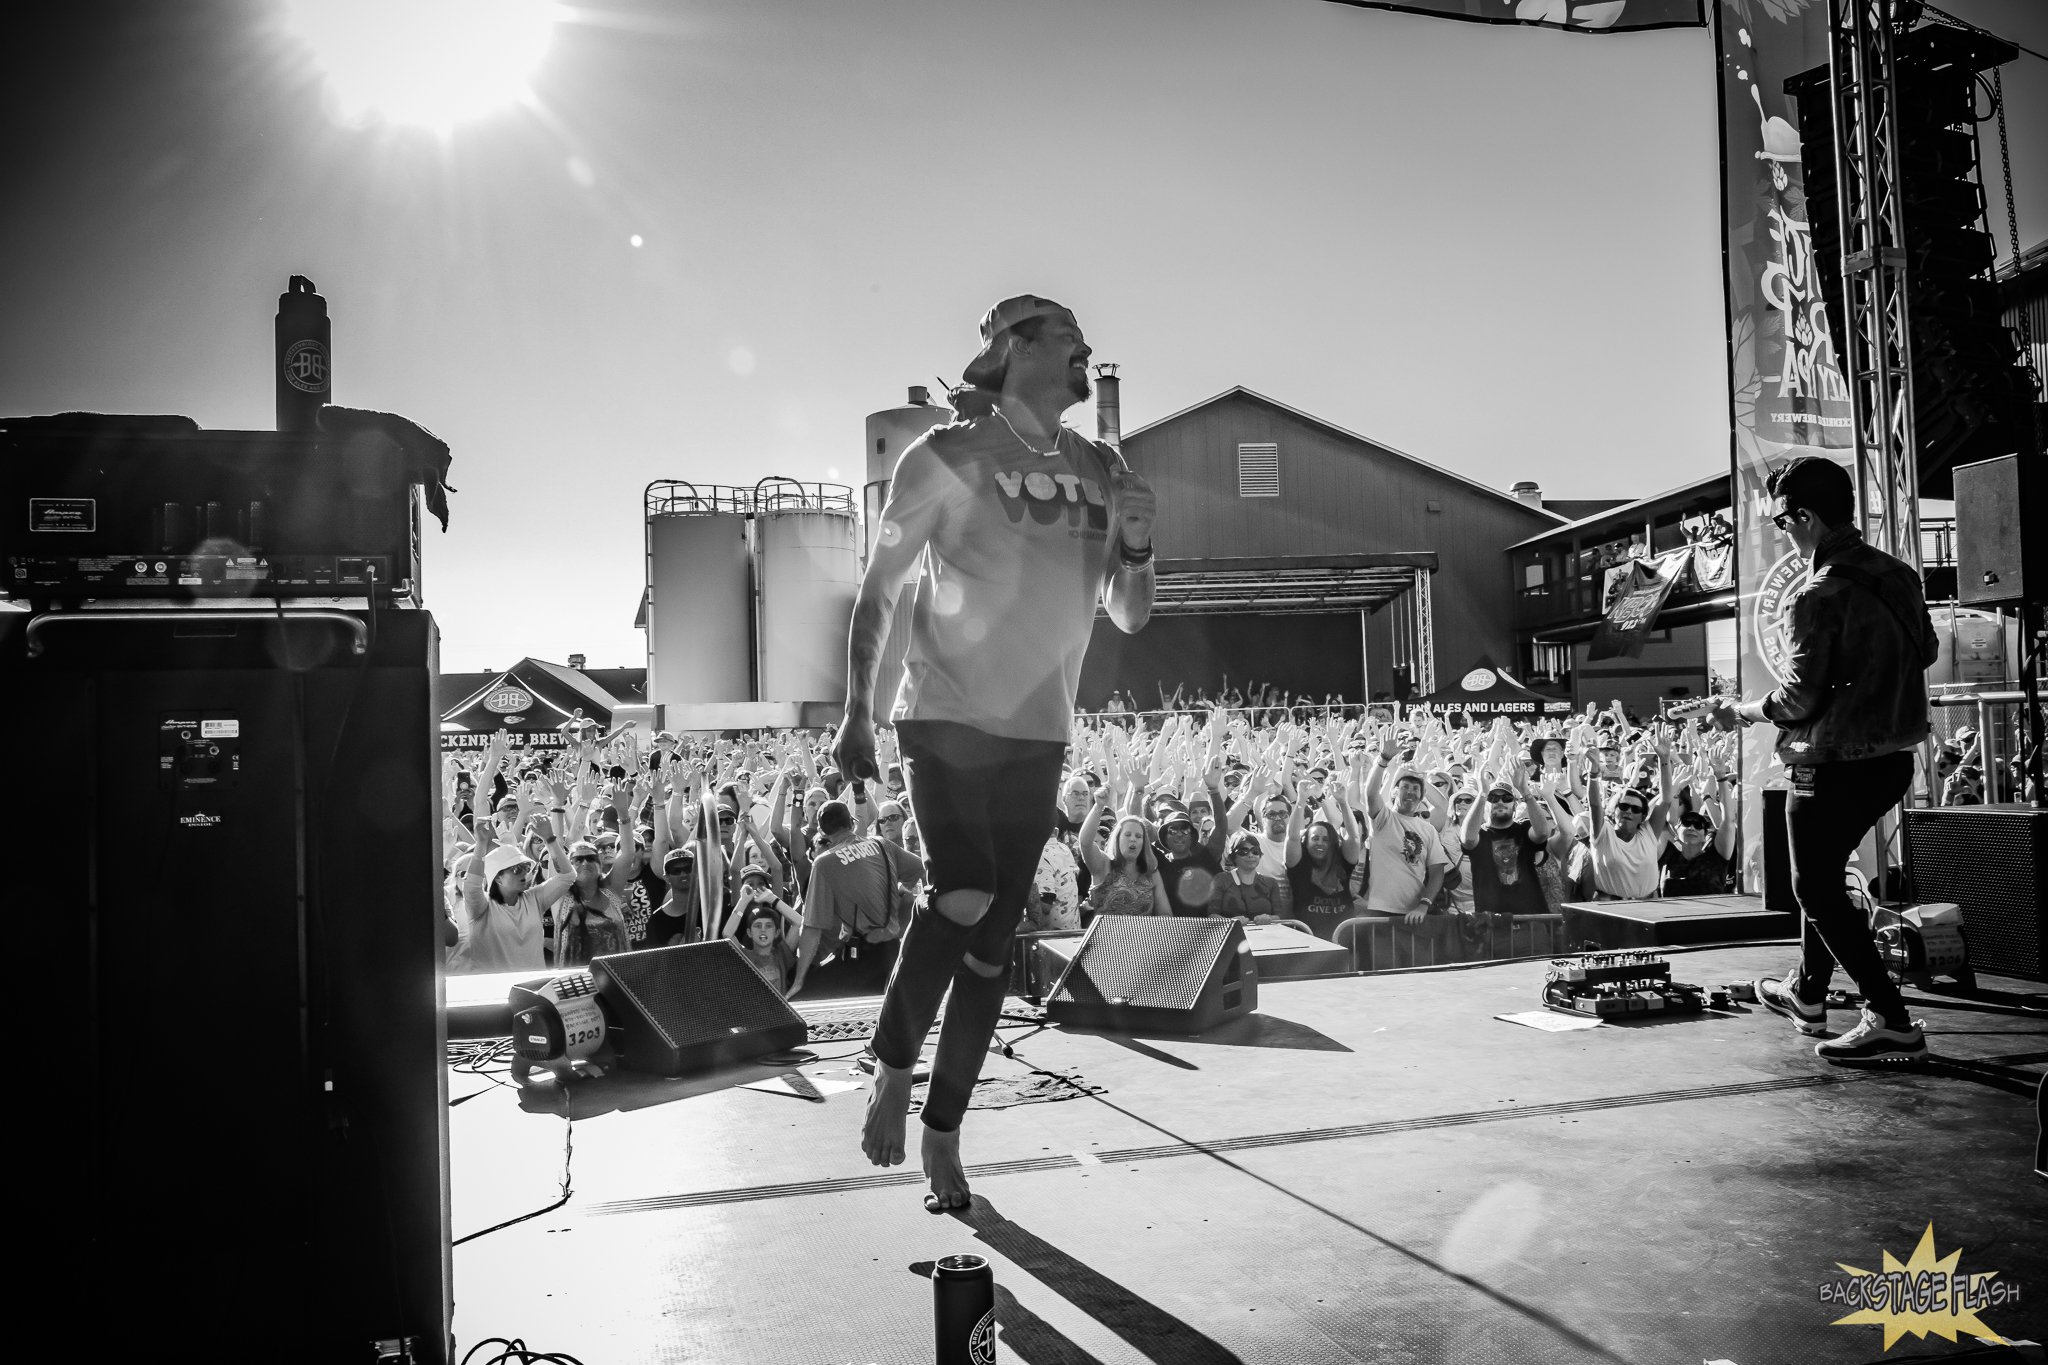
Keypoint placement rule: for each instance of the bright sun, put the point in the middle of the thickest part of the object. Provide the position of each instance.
(431, 63)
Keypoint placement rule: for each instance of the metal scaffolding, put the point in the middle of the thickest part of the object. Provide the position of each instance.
(1870, 209)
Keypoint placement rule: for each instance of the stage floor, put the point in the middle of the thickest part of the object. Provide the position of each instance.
(1371, 1169)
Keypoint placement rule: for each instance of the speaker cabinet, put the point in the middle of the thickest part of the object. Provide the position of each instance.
(1988, 860)
(2000, 531)
(1778, 898)
(1157, 975)
(692, 1007)
(237, 966)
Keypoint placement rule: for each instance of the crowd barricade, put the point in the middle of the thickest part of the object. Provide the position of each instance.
(1996, 716)
(1258, 715)
(1381, 943)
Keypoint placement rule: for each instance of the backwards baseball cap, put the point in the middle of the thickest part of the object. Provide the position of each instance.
(985, 371)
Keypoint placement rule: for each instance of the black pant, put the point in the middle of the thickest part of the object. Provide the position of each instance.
(853, 971)
(984, 809)
(1824, 829)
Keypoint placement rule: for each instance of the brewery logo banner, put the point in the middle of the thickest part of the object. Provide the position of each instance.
(1581, 16)
(1634, 612)
(1788, 396)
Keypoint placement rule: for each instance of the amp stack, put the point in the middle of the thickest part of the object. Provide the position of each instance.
(224, 679)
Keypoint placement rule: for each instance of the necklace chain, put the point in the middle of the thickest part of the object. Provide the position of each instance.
(1020, 435)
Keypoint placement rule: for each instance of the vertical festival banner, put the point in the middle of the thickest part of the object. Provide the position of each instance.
(1788, 393)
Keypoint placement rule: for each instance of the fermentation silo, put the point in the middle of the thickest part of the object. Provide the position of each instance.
(699, 609)
(806, 573)
(891, 432)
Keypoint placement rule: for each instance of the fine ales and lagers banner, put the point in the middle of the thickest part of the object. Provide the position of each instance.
(1582, 16)
(1788, 393)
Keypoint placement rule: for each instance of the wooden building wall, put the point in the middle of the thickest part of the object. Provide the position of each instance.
(1339, 494)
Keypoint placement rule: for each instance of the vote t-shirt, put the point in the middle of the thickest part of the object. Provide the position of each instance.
(1018, 551)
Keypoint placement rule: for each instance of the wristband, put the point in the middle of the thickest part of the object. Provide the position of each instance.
(1131, 558)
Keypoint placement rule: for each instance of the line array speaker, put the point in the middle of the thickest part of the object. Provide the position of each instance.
(1971, 399)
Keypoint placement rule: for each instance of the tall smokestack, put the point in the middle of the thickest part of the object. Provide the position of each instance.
(1108, 408)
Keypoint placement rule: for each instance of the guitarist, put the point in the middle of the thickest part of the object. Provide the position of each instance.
(1851, 711)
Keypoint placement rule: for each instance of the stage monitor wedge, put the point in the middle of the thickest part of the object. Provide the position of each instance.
(1152, 974)
(692, 1007)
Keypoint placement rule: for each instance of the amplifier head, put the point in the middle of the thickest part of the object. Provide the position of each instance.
(111, 508)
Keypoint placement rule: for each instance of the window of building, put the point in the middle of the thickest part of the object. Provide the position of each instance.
(1258, 469)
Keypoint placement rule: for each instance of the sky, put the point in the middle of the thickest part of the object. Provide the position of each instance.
(1496, 249)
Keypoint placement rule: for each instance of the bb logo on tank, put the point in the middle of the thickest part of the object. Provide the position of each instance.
(305, 367)
(508, 701)
(1478, 680)
(1048, 497)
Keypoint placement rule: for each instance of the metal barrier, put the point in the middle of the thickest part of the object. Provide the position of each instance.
(1997, 732)
(1382, 943)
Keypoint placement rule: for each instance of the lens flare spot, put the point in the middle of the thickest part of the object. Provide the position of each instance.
(1494, 1229)
(580, 171)
(976, 630)
(636, 240)
(890, 533)
(946, 598)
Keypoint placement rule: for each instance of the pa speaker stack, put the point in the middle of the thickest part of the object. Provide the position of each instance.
(1971, 401)
(1149, 974)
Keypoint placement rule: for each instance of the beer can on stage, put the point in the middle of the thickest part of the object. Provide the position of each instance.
(964, 1308)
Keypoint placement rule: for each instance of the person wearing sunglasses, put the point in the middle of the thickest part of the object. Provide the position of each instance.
(590, 917)
(1504, 852)
(1630, 831)
(1850, 711)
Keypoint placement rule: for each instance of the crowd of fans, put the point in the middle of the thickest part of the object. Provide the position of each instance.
(1292, 815)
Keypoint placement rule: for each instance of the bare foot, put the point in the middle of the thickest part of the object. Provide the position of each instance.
(943, 1169)
(881, 1136)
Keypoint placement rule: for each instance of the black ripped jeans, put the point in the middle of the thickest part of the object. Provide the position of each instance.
(1823, 831)
(984, 807)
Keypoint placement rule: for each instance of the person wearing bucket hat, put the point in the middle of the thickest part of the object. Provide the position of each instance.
(506, 909)
(1014, 528)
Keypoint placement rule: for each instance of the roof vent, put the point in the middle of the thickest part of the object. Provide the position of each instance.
(1530, 492)
(576, 661)
(1258, 469)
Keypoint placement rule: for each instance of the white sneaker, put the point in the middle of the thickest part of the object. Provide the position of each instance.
(1872, 1041)
(1778, 997)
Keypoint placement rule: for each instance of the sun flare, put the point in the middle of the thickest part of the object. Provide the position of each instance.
(426, 63)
